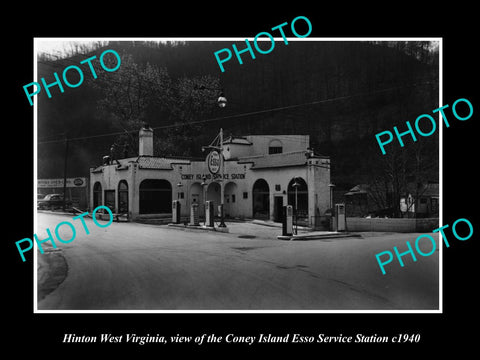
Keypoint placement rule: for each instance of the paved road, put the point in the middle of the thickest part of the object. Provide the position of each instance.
(130, 266)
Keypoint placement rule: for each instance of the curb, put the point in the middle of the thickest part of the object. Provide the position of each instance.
(276, 225)
(199, 227)
(316, 236)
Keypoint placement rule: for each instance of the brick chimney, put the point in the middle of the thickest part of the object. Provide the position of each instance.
(145, 140)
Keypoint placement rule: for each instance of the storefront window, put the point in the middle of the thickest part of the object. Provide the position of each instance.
(110, 199)
(97, 195)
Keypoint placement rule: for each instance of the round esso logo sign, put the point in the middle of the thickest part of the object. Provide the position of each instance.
(213, 162)
(78, 182)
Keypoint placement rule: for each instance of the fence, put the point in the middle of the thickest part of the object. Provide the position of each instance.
(424, 225)
(320, 222)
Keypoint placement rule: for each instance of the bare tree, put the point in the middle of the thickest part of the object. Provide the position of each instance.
(128, 92)
(134, 92)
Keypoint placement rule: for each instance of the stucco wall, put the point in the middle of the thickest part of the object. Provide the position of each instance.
(394, 225)
(240, 178)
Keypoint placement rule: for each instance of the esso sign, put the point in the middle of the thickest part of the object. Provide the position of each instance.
(213, 162)
(78, 182)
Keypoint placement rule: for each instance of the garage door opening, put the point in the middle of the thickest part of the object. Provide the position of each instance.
(155, 196)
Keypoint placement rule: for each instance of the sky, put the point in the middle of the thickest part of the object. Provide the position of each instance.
(60, 47)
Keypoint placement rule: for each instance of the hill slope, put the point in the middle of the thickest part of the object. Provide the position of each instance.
(339, 93)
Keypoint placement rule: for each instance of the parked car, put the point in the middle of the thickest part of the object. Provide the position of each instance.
(52, 201)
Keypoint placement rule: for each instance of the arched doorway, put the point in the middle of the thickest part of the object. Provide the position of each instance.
(299, 198)
(123, 197)
(261, 200)
(213, 192)
(155, 196)
(97, 195)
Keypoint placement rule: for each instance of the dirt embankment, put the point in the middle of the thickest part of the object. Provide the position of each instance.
(52, 269)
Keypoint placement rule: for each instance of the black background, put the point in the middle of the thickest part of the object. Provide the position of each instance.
(43, 333)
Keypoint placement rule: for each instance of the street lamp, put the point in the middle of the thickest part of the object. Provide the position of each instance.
(295, 185)
(222, 185)
(331, 186)
(221, 101)
(204, 195)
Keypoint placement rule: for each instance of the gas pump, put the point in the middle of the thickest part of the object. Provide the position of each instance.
(209, 213)
(287, 223)
(194, 215)
(176, 208)
(340, 217)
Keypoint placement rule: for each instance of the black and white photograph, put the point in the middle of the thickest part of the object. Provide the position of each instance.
(168, 184)
(187, 180)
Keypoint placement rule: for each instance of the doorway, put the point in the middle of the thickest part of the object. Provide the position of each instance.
(261, 200)
(278, 209)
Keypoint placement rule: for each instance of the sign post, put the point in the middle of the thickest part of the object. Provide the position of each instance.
(215, 164)
(65, 175)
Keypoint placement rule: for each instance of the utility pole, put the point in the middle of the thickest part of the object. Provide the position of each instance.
(296, 207)
(65, 174)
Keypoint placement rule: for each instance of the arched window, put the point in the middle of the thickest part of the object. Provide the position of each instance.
(275, 147)
(298, 196)
(97, 195)
(123, 197)
(155, 196)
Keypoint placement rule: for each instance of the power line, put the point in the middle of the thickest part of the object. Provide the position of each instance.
(243, 114)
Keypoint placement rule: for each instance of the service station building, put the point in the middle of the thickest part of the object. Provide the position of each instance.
(261, 174)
